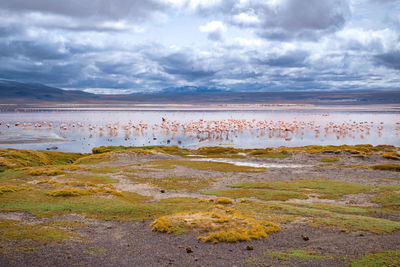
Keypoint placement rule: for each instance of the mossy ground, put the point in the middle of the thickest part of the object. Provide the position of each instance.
(43, 233)
(380, 258)
(47, 185)
(328, 189)
(186, 184)
(219, 224)
(204, 165)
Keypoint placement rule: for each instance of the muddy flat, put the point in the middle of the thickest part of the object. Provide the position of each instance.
(159, 206)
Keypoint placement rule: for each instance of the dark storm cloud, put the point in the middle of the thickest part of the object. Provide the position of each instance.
(255, 45)
(49, 73)
(185, 66)
(289, 60)
(100, 9)
(33, 50)
(389, 60)
(289, 19)
(9, 30)
(303, 19)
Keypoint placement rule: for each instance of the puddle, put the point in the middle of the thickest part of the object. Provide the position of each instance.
(256, 165)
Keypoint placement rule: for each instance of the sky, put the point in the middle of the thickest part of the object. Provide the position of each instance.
(131, 46)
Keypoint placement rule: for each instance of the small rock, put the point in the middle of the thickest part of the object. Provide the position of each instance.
(162, 191)
(196, 259)
(249, 247)
(109, 227)
(189, 250)
(305, 238)
(361, 234)
(180, 246)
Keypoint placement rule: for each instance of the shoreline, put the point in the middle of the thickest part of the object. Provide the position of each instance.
(197, 107)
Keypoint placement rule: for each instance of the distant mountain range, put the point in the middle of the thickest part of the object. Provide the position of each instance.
(22, 93)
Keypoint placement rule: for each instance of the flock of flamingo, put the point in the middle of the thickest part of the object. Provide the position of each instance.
(215, 130)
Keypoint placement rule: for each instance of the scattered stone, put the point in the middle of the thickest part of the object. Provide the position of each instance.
(305, 238)
(249, 247)
(162, 191)
(180, 246)
(189, 250)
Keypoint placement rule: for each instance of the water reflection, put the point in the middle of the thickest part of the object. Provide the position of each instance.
(82, 130)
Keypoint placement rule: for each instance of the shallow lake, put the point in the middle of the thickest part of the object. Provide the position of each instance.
(81, 130)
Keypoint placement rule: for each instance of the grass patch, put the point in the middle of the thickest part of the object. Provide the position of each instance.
(218, 200)
(219, 224)
(104, 169)
(317, 216)
(329, 189)
(97, 179)
(268, 153)
(11, 229)
(110, 149)
(74, 192)
(352, 149)
(127, 207)
(9, 188)
(296, 254)
(14, 176)
(359, 156)
(257, 193)
(43, 171)
(391, 155)
(387, 167)
(333, 208)
(186, 184)
(388, 199)
(329, 159)
(204, 165)
(93, 159)
(16, 158)
(380, 258)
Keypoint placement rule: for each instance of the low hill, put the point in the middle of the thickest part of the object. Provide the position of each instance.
(21, 93)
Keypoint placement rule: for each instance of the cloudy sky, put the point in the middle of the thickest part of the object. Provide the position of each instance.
(123, 46)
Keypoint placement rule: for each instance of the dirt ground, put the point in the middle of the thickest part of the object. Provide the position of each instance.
(115, 243)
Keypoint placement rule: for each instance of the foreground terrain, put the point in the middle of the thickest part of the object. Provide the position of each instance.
(119, 206)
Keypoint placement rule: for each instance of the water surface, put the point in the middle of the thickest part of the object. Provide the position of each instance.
(81, 130)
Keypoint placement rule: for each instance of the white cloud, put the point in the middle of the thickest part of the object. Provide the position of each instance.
(214, 29)
(246, 18)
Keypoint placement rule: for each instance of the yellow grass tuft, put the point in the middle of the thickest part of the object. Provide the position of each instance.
(9, 188)
(73, 192)
(391, 155)
(329, 159)
(218, 200)
(219, 224)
